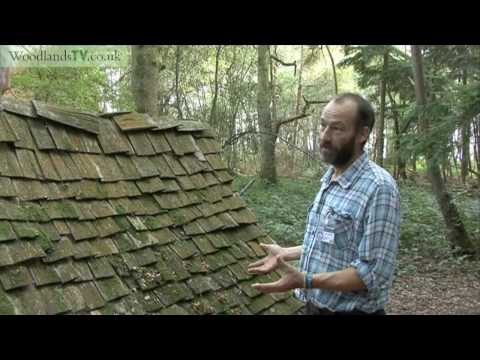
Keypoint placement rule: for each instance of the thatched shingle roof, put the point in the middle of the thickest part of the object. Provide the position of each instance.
(121, 214)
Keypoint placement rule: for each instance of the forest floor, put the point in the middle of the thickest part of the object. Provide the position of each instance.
(434, 288)
(429, 278)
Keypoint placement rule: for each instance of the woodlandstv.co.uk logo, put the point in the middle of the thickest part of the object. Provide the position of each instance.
(67, 55)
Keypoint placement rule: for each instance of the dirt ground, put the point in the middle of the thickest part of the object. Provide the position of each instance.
(436, 288)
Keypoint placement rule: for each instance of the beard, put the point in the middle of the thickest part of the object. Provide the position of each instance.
(337, 156)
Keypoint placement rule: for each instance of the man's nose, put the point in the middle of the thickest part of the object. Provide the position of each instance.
(325, 134)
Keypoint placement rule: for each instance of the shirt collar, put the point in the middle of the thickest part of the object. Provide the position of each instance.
(350, 175)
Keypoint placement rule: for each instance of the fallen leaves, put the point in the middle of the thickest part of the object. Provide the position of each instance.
(435, 290)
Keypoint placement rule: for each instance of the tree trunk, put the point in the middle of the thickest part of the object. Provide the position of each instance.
(298, 100)
(178, 104)
(381, 119)
(414, 163)
(476, 136)
(456, 233)
(233, 149)
(450, 158)
(213, 113)
(444, 168)
(273, 87)
(334, 70)
(145, 79)
(299, 87)
(267, 168)
(465, 141)
(399, 161)
(454, 156)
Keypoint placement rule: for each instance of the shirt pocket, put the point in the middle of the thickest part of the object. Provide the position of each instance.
(340, 223)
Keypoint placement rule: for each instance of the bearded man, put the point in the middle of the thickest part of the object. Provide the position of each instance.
(348, 256)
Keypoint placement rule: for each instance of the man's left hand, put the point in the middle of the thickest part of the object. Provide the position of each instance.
(291, 279)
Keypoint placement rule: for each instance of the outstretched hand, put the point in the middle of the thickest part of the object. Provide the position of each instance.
(268, 263)
(291, 279)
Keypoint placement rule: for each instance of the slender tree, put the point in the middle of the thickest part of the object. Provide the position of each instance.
(456, 232)
(178, 59)
(213, 111)
(264, 98)
(465, 141)
(380, 138)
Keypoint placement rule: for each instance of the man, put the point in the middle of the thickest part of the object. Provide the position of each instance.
(348, 257)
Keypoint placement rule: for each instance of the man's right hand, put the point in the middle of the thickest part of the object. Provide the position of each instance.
(268, 263)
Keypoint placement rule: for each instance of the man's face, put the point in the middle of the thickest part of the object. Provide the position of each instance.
(338, 133)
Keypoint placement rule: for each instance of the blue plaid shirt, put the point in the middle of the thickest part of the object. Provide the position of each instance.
(353, 222)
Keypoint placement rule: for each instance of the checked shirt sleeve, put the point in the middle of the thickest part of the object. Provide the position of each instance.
(378, 247)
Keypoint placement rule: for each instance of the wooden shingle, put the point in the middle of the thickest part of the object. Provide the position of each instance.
(145, 166)
(85, 165)
(164, 168)
(6, 187)
(60, 137)
(30, 190)
(19, 127)
(9, 165)
(6, 132)
(46, 166)
(111, 139)
(68, 118)
(61, 164)
(17, 106)
(29, 164)
(159, 142)
(141, 144)
(134, 122)
(41, 135)
(181, 144)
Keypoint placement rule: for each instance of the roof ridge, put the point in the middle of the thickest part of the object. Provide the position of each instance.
(89, 121)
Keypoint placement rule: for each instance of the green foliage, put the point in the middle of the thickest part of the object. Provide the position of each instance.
(367, 61)
(70, 86)
(93, 88)
(281, 210)
(422, 224)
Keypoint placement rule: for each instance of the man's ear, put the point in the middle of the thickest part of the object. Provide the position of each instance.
(363, 134)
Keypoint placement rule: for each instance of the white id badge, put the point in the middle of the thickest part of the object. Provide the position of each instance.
(328, 237)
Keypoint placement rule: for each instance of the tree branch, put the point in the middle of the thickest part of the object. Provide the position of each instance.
(332, 61)
(309, 102)
(474, 172)
(290, 119)
(294, 64)
(236, 137)
(304, 113)
(247, 186)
